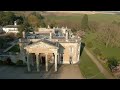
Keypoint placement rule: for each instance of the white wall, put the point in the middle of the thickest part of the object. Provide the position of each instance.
(11, 30)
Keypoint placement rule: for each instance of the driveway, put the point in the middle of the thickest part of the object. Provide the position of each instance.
(64, 72)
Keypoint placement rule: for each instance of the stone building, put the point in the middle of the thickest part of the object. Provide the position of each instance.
(11, 28)
(49, 46)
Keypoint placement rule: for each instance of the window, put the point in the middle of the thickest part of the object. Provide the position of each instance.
(71, 50)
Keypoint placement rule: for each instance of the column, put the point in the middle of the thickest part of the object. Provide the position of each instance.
(46, 62)
(55, 62)
(58, 58)
(28, 63)
(32, 60)
(37, 62)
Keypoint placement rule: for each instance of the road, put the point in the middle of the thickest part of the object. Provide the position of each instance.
(100, 67)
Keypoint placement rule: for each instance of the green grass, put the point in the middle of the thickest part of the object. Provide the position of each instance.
(89, 69)
(15, 49)
(107, 52)
(93, 17)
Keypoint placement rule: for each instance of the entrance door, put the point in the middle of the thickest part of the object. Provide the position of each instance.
(43, 60)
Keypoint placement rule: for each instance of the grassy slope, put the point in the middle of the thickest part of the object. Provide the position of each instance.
(93, 17)
(88, 68)
(108, 52)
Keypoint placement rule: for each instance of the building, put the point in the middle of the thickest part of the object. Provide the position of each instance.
(11, 28)
(50, 46)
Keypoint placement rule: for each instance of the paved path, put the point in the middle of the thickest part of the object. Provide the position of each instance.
(100, 67)
(69, 72)
(64, 72)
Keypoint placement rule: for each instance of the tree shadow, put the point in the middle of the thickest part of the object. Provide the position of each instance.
(81, 48)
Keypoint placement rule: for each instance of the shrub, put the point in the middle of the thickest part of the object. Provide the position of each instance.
(89, 44)
(8, 62)
(19, 62)
(97, 51)
(112, 63)
(102, 57)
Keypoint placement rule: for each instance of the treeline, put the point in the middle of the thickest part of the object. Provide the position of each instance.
(107, 33)
(8, 18)
(27, 23)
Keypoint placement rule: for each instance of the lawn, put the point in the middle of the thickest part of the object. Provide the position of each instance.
(89, 69)
(107, 52)
(92, 17)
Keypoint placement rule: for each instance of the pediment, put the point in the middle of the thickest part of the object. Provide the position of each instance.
(41, 45)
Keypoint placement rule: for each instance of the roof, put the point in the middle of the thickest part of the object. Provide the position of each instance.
(58, 37)
(11, 26)
(45, 41)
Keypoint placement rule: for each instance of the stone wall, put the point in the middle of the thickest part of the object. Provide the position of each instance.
(67, 52)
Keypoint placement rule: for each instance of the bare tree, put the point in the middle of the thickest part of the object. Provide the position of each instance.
(109, 34)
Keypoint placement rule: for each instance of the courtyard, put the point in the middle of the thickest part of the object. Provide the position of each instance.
(64, 72)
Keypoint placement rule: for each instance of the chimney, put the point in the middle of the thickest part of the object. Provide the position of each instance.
(15, 23)
(23, 34)
(50, 35)
(66, 35)
(76, 40)
(48, 27)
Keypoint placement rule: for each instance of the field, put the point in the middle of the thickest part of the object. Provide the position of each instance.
(107, 52)
(92, 17)
(88, 69)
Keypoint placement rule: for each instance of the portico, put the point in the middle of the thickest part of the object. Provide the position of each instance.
(40, 52)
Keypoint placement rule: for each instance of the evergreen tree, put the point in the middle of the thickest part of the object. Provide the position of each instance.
(84, 22)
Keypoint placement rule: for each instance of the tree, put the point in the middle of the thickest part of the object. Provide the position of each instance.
(42, 23)
(24, 27)
(7, 18)
(19, 20)
(109, 34)
(93, 25)
(33, 20)
(84, 22)
(114, 22)
(112, 63)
